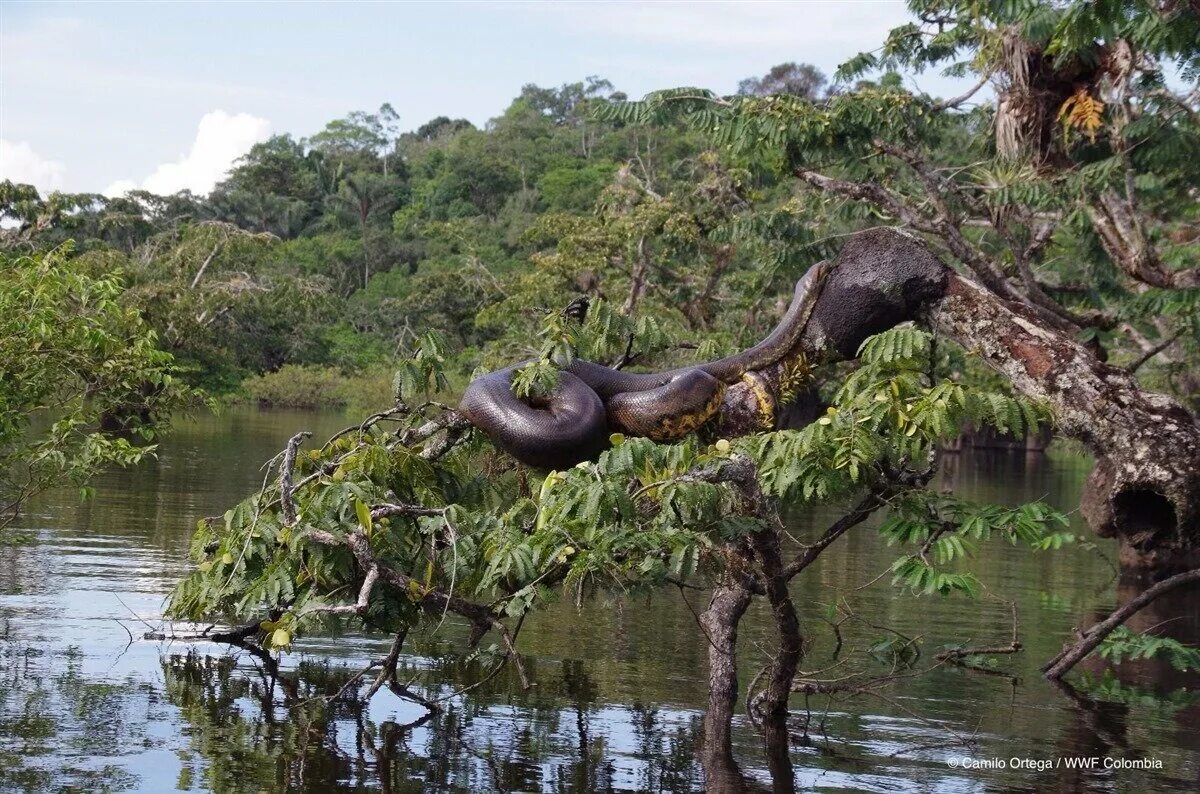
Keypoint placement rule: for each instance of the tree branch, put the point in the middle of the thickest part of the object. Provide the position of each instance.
(942, 227)
(1137, 363)
(1061, 664)
(287, 505)
(431, 599)
(947, 104)
(859, 514)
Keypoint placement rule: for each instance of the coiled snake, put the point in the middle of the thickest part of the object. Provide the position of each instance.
(592, 401)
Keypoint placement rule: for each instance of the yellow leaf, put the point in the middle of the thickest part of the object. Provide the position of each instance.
(552, 479)
(280, 638)
(722, 446)
(364, 515)
(1082, 111)
(227, 559)
(616, 439)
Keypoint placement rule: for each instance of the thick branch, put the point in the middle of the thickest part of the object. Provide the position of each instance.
(766, 543)
(1145, 488)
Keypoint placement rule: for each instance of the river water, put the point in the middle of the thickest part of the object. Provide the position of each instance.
(87, 704)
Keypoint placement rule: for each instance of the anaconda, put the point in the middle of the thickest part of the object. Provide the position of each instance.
(591, 401)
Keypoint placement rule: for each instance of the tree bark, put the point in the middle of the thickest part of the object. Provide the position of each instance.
(637, 278)
(787, 657)
(719, 622)
(774, 708)
(1145, 488)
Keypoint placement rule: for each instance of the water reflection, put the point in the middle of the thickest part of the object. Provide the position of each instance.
(254, 726)
(621, 686)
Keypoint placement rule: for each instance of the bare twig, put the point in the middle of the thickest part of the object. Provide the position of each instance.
(1137, 363)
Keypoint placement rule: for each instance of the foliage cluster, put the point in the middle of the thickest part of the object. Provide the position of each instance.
(452, 520)
(84, 384)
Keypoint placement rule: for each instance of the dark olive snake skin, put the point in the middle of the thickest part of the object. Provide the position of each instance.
(592, 401)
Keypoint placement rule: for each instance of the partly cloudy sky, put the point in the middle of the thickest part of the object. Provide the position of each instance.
(221, 138)
(102, 97)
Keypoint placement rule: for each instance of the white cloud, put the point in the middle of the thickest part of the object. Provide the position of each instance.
(20, 163)
(221, 138)
(120, 188)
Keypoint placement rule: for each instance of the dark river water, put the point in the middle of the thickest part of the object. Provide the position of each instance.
(87, 704)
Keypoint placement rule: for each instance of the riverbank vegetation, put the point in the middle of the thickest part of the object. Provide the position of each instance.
(1023, 253)
(82, 366)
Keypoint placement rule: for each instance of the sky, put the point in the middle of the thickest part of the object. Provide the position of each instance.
(107, 96)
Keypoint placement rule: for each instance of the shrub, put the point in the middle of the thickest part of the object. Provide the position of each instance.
(315, 387)
(298, 386)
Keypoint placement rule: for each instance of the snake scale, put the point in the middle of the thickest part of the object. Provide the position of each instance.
(591, 401)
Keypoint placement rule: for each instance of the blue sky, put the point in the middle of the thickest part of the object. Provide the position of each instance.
(106, 96)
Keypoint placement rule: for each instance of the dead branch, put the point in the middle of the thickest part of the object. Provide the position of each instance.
(287, 505)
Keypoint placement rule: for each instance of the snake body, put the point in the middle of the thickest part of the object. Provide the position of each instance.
(591, 401)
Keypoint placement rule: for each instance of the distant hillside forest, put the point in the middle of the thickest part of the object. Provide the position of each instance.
(319, 262)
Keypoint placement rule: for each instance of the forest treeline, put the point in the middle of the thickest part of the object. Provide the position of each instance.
(339, 252)
(331, 257)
